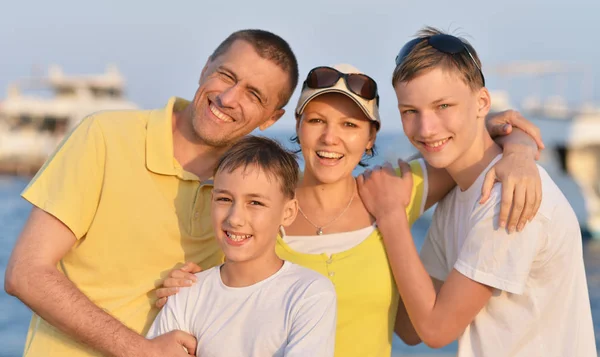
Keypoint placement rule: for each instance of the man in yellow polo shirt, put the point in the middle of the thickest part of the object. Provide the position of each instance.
(126, 197)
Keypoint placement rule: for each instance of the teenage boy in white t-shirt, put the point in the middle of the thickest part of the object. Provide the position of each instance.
(255, 304)
(499, 293)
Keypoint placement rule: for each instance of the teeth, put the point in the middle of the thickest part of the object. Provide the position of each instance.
(437, 143)
(238, 237)
(330, 155)
(219, 114)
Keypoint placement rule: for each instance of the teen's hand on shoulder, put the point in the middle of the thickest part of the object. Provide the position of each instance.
(177, 278)
(172, 344)
(502, 123)
(521, 188)
(383, 192)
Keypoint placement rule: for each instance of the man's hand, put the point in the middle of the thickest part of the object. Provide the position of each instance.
(176, 279)
(383, 192)
(502, 123)
(172, 344)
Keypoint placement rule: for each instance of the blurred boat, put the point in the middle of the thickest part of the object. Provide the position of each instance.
(38, 112)
(577, 145)
(581, 155)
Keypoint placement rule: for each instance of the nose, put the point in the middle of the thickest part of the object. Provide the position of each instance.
(428, 124)
(236, 217)
(230, 96)
(330, 135)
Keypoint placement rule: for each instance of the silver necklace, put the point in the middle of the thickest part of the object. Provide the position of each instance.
(320, 228)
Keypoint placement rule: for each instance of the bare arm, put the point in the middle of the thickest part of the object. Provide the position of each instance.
(438, 319)
(33, 277)
(404, 327)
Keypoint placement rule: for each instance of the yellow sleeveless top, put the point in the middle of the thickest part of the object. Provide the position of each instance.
(367, 297)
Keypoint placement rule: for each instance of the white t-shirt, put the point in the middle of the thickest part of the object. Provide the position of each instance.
(291, 313)
(541, 304)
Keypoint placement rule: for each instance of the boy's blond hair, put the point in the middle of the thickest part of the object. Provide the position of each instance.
(423, 58)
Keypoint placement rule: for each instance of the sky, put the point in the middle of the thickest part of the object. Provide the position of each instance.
(160, 47)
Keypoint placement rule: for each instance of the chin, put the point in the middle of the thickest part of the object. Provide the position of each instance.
(327, 175)
(237, 256)
(438, 161)
(329, 179)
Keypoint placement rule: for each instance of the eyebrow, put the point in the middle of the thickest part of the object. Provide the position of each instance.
(257, 195)
(345, 117)
(217, 190)
(437, 101)
(443, 99)
(249, 195)
(261, 96)
(313, 112)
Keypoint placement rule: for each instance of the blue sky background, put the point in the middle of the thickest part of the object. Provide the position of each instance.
(161, 47)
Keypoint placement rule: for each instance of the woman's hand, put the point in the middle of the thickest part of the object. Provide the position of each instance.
(177, 278)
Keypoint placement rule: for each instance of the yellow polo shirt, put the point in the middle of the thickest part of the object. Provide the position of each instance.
(135, 212)
(367, 297)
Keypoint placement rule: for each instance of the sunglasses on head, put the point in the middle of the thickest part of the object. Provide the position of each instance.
(359, 84)
(444, 43)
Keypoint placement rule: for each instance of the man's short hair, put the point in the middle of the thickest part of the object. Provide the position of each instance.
(424, 58)
(271, 47)
(266, 155)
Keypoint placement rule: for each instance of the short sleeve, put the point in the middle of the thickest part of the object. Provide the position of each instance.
(433, 254)
(415, 208)
(495, 258)
(68, 186)
(313, 328)
(166, 321)
(181, 310)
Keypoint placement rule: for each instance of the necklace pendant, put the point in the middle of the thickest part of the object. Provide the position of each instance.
(319, 231)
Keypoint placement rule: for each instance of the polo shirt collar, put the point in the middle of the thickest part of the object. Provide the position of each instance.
(159, 141)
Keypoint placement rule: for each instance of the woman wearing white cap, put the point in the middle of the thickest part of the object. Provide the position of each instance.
(337, 120)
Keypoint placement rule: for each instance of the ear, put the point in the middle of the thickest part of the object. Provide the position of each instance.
(372, 137)
(484, 102)
(272, 119)
(290, 210)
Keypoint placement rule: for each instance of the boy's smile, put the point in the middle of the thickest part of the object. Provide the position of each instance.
(235, 238)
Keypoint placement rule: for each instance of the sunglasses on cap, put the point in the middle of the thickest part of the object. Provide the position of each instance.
(442, 42)
(359, 84)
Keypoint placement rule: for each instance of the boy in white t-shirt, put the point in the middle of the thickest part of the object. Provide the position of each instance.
(255, 304)
(500, 293)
